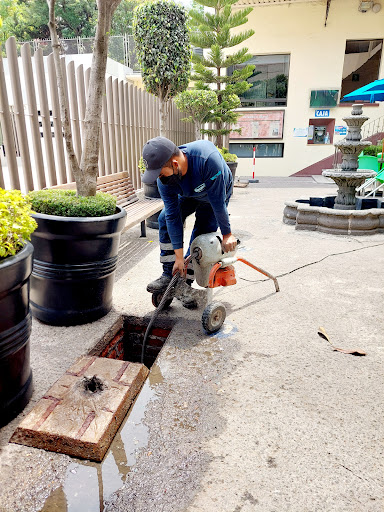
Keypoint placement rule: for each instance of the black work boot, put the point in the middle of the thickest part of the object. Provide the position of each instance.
(186, 298)
(159, 285)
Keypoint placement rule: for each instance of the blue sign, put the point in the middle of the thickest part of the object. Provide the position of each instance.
(341, 130)
(322, 113)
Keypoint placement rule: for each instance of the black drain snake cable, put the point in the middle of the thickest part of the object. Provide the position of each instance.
(170, 288)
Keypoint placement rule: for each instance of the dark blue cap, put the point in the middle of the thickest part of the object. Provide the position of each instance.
(156, 152)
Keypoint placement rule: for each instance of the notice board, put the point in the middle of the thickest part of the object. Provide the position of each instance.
(260, 124)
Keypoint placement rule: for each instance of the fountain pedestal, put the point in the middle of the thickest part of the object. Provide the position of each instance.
(349, 177)
(347, 182)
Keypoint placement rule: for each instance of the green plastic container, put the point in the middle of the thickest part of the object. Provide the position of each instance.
(368, 162)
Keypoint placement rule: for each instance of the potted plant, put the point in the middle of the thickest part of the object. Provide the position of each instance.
(76, 245)
(16, 226)
(230, 159)
(161, 36)
(77, 238)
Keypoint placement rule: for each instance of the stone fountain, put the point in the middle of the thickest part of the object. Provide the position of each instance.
(338, 214)
(349, 177)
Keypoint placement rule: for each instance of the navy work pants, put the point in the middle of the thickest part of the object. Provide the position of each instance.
(205, 223)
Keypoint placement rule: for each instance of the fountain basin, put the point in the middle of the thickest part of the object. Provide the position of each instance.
(336, 222)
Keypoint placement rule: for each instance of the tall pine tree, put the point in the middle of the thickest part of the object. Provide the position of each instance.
(212, 31)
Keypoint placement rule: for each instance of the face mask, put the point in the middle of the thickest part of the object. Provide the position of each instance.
(172, 180)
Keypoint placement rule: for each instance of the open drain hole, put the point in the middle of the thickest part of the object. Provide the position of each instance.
(127, 343)
(93, 384)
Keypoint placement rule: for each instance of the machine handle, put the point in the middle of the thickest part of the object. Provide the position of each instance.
(221, 241)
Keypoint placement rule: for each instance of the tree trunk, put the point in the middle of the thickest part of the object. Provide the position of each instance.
(163, 116)
(197, 130)
(92, 123)
(86, 174)
(219, 124)
(219, 137)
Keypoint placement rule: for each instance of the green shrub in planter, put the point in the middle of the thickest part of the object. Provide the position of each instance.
(228, 157)
(16, 227)
(373, 150)
(16, 223)
(65, 203)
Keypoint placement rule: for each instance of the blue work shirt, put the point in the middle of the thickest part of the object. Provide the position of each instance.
(208, 179)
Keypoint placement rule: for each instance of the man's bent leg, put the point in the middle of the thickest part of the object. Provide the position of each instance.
(167, 254)
(205, 223)
(167, 258)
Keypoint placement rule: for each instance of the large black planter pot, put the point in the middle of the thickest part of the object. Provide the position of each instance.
(15, 330)
(151, 190)
(232, 166)
(73, 268)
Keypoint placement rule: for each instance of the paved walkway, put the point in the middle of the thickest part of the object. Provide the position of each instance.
(263, 416)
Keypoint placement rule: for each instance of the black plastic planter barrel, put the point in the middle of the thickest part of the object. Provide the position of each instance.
(73, 268)
(232, 166)
(15, 329)
(151, 190)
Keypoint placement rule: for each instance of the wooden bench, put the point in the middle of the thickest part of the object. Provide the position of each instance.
(120, 186)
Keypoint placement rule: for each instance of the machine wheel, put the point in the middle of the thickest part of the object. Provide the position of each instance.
(156, 299)
(213, 317)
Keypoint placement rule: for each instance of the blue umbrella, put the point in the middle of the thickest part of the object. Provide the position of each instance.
(372, 92)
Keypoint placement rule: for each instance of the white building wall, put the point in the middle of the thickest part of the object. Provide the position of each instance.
(316, 62)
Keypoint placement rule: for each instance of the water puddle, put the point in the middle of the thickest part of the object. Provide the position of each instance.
(228, 329)
(88, 484)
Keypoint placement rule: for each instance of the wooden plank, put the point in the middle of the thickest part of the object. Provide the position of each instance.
(44, 116)
(33, 116)
(75, 118)
(111, 125)
(116, 123)
(139, 211)
(21, 129)
(73, 419)
(56, 118)
(8, 134)
(112, 177)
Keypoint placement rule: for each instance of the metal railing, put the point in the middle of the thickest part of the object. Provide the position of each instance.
(372, 128)
(121, 48)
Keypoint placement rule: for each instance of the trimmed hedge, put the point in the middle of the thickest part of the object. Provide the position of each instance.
(65, 203)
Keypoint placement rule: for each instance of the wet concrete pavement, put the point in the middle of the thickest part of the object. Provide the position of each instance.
(264, 415)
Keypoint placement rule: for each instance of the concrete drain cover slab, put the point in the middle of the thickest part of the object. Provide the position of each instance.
(82, 411)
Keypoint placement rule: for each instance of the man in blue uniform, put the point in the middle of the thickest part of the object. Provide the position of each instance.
(192, 178)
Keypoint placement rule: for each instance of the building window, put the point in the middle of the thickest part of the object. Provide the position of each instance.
(320, 131)
(361, 64)
(269, 81)
(264, 150)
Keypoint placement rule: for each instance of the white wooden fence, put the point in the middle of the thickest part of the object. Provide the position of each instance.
(32, 150)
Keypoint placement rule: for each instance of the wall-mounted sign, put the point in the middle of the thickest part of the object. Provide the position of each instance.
(324, 98)
(300, 132)
(260, 124)
(322, 113)
(341, 130)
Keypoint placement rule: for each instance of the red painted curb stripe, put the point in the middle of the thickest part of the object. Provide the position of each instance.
(84, 369)
(121, 371)
(88, 420)
(50, 408)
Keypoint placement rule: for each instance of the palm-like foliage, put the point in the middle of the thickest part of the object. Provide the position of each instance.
(212, 31)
